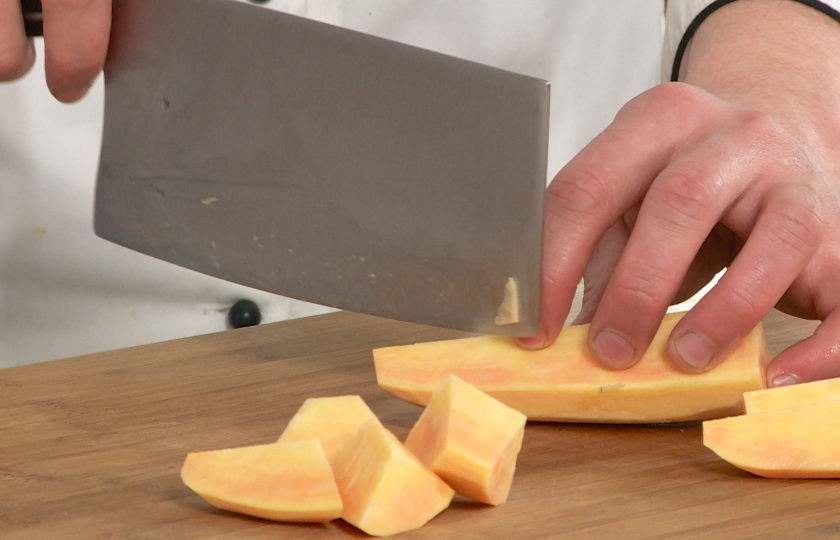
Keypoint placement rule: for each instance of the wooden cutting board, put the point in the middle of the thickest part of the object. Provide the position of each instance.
(91, 448)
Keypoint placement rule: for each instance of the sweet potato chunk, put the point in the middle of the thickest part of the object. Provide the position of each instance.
(332, 420)
(385, 488)
(795, 442)
(469, 439)
(289, 481)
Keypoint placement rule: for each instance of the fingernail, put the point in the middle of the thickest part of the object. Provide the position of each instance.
(784, 379)
(533, 343)
(613, 349)
(696, 350)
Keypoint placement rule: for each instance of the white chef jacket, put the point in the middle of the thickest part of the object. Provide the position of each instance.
(65, 292)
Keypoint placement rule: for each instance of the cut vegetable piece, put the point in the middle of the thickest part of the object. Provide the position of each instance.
(564, 383)
(333, 420)
(385, 488)
(771, 399)
(796, 442)
(469, 439)
(289, 481)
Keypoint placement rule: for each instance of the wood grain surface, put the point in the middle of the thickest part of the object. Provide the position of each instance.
(91, 448)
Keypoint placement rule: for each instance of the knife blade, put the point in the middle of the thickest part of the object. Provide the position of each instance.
(324, 164)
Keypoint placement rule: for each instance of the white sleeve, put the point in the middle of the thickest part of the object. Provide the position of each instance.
(682, 17)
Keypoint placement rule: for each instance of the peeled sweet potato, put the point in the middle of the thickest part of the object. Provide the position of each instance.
(564, 383)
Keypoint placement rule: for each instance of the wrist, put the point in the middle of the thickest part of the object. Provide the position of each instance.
(776, 57)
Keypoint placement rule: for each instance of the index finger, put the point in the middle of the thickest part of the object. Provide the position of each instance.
(76, 36)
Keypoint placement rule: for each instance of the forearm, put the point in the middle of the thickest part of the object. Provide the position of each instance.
(778, 57)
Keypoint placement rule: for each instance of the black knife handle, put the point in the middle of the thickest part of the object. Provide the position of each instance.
(33, 19)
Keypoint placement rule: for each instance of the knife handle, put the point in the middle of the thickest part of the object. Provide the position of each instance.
(33, 19)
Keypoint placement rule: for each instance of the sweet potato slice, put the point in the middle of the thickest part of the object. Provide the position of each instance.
(795, 442)
(332, 420)
(770, 399)
(385, 488)
(469, 439)
(564, 383)
(289, 481)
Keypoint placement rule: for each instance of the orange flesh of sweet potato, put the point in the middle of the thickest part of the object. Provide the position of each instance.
(385, 488)
(281, 481)
(469, 439)
(564, 383)
(332, 420)
(771, 399)
(795, 442)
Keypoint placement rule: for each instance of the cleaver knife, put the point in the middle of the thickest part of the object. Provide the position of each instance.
(324, 164)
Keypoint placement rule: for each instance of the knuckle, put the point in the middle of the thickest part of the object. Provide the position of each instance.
(679, 94)
(797, 220)
(673, 111)
(742, 302)
(580, 196)
(642, 286)
(687, 198)
(774, 144)
(639, 291)
(764, 130)
(673, 96)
